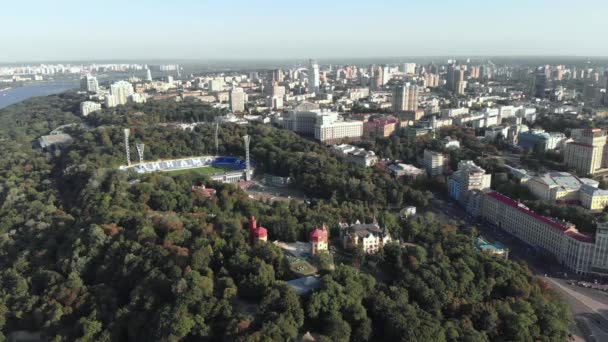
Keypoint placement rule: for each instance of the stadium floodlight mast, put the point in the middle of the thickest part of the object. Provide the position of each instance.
(217, 144)
(127, 149)
(140, 150)
(247, 140)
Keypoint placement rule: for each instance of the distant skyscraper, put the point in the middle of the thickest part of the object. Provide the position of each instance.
(606, 93)
(237, 100)
(148, 75)
(386, 74)
(313, 76)
(405, 98)
(89, 83)
(449, 78)
(459, 83)
(277, 75)
(121, 91)
(540, 84)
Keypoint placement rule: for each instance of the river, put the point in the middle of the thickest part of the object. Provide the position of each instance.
(18, 94)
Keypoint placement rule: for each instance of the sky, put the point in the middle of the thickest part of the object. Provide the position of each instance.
(53, 30)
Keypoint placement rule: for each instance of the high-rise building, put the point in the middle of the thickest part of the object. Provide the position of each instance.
(377, 79)
(88, 107)
(606, 93)
(121, 91)
(449, 78)
(431, 80)
(459, 83)
(277, 75)
(467, 178)
(89, 83)
(540, 84)
(313, 76)
(216, 85)
(386, 74)
(237, 100)
(409, 68)
(275, 102)
(433, 162)
(405, 98)
(148, 75)
(585, 154)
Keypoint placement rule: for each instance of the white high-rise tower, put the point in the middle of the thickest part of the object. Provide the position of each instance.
(313, 76)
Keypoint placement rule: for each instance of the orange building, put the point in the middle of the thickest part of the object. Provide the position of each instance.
(319, 239)
(382, 127)
(257, 232)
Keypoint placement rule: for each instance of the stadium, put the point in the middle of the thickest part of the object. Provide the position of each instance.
(220, 168)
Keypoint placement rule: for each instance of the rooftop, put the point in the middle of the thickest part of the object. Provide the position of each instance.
(304, 285)
(569, 231)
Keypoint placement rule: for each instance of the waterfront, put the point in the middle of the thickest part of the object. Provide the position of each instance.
(18, 94)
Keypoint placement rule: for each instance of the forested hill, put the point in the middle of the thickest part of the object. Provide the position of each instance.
(91, 253)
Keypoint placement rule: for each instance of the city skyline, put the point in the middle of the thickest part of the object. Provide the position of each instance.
(187, 29)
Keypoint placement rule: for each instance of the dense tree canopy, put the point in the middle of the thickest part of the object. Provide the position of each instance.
(92, 253)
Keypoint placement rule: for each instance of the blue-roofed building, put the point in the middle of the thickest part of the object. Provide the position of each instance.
(495, 248)
(540, 141)
(305, 285)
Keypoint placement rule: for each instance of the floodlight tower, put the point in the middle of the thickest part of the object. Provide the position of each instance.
(140, 150)
(217, 144)
(127, 149)
(247, 140)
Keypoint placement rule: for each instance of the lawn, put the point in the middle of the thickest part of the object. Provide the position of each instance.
(201, 171)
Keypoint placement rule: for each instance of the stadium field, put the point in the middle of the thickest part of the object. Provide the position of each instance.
(201, 171)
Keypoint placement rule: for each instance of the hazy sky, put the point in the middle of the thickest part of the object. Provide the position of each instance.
(33, 30)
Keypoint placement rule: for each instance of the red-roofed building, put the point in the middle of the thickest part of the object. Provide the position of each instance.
(382, 127)
(572, 248)
(319, 239)
(256, 231)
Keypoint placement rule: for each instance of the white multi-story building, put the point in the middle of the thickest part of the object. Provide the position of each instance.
(138, 98)
(433, 162)
(586, 152)
(121, 91)
(216, 85)
(237, 100)
(89, 83)
(330, 130)
(467, 178)
(88, 107)
(573, 249)
(327, 127)
(359, 156)
(557, 186)
(369, 237)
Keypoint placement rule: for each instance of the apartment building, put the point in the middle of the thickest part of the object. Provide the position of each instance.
(585, 154)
